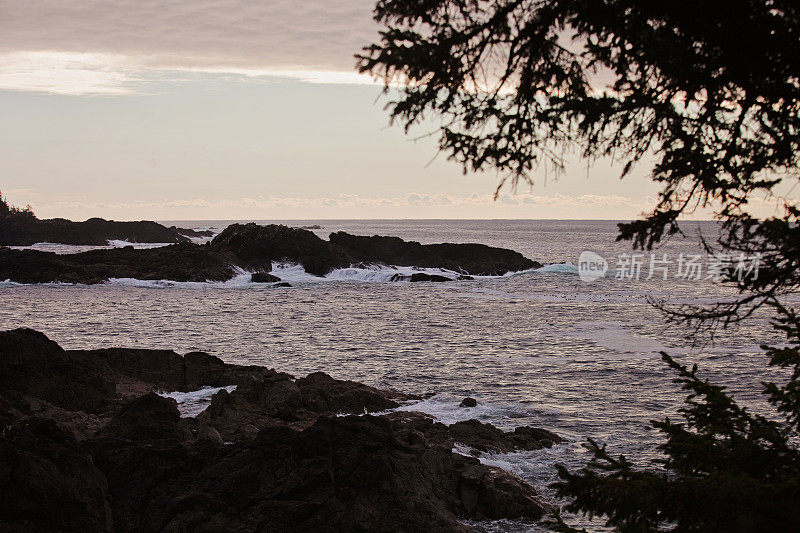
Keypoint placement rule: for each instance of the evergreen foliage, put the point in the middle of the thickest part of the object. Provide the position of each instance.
(710, 92)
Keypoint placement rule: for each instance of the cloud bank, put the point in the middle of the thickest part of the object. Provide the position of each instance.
(87, 47)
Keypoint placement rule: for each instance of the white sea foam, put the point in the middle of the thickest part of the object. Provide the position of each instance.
(241, 280)
(561, 268)
(445, 408)
(59, 248)
(195, 402)
(137, 245)
(383, 273)
(200, 240)
(294, 273)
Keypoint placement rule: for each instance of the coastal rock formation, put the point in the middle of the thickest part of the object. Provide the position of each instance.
(258, 246)
(477, 259)
(178, 262)
(254, 248)
(28, 230)
(87, 444)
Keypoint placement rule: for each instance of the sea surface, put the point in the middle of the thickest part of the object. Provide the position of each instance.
(540, 347)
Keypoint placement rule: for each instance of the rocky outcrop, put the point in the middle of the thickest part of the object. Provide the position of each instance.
(264, 277)
(179, 262)
(28, 230)
(187, 232)
(476, 259)
(86, 445)
(477, 436)
(279, 399)
(254, 248)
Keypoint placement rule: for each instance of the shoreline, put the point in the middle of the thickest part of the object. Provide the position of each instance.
(100, 407)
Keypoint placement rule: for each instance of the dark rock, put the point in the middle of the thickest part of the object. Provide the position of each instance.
(264, 277)
(282, 284)
(48, 483)
(25, 231)
(179, 262)
(258, 246)
(468, 258)
(422, 276)
(474, 434)
(33, 365)
(251, 246)
(202, 369)
(340, 474)
(278, 399)
(150, 417)
(323, 394)
(186, 232)
(468, 402)
(273, 455)
(465, 278)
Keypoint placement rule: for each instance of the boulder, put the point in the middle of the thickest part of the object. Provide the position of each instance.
(150, 417)
(474, 434)
(33, 365)
(468, 402)
(323, 394)
(264, 277)
(422, 276)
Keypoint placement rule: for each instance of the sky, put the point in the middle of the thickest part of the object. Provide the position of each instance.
(226, 109)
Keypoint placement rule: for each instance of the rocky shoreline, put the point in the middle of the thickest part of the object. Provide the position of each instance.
(87, 444)
(254, 248)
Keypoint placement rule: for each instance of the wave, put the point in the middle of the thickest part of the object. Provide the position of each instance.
(195, 402)
(292, 273)
(445, 408)
(63, 249)
(241, 280)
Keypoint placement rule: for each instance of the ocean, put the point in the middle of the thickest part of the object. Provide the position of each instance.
(542, 347)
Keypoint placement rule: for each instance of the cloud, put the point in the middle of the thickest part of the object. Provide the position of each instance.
(356, 201)
(87, 47)
(65, 73)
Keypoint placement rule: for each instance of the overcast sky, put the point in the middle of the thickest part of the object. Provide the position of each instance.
(220, 109)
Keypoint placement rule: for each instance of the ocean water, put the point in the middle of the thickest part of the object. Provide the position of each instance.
(538, 348)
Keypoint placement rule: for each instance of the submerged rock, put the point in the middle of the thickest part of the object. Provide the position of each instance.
(421, 276)
(468, 402)
(264, 277)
